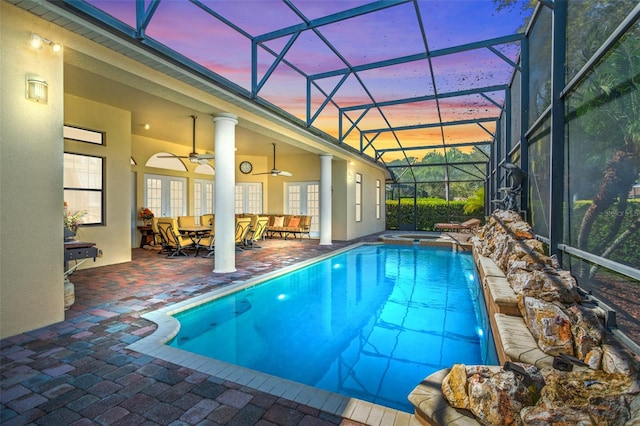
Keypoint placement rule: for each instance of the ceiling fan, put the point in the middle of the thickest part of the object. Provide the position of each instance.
(193, 156)
(274, 171)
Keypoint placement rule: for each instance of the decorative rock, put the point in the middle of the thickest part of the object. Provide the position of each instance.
(520, 230)
(548, 324)
(454, 387)
(586, 329)
(583, 398)
(498, 399)
(594, 358)
(546, 284)
(507, 216)
(607, 392)
(616, 360)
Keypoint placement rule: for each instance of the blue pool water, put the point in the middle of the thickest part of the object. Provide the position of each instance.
(369, 323)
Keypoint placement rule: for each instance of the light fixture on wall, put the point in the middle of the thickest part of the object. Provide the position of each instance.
(38, 41)
(37, 89)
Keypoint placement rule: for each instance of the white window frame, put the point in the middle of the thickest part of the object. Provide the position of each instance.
(83, 183)
(378, 199)
(358, 204)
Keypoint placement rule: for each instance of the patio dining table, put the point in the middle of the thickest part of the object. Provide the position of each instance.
(196, 233)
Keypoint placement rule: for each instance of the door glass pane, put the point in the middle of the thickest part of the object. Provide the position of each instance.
(154, 195)
(313, 207)
(253, 198)
(293, 199)
(239, 199)
(197, 199)
(177, 198)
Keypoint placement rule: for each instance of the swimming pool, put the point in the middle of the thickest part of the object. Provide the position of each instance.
(368, 323)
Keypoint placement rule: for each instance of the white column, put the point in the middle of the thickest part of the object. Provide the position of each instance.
(325, 199)
(225, 192)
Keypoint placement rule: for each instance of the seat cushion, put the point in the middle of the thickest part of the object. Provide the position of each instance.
(294, 222)
(278, 221)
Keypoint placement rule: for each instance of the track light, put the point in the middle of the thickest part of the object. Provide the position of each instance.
(38, 41)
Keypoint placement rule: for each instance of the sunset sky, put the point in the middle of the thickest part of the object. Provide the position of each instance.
(383, 35)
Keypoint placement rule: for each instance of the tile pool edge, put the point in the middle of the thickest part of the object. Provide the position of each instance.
(168, 326)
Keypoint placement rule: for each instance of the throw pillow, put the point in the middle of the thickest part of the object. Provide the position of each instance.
(278, 221)
(294, 222)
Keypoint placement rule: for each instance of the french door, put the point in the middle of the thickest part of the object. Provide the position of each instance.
(248, 198)
(165, 196)
(203, 197)
(304, 198)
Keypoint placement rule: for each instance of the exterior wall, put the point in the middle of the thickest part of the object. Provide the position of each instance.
(340, 218)
(114, 238)
(344, 222)
(31, 206)
(369, 224)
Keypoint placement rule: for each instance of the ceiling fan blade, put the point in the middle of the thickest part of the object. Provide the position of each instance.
(205, 156)
(283, 173)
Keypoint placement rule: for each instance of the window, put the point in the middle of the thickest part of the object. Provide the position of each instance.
(83, 135)
(378, 199)
(83, 186)
(202, 197)
(358, 197)
(248, 198)
(165, 196)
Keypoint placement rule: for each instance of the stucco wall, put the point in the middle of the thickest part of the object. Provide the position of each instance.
(31, 202)
(114, 238)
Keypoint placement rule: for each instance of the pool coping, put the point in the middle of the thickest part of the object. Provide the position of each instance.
(425, 238)
(331, 402)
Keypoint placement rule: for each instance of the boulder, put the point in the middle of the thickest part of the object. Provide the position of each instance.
(549, 325)
(586, 328)
(545, 284)
(582, 397)
(594, 358)
(498, 399)
(454, 387)
(520, 230)
(616, 359)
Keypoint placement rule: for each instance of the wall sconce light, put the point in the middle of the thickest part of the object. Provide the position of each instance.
(37, 42)
(37, 89)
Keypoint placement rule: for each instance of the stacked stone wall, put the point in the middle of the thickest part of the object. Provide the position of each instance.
(603, 386)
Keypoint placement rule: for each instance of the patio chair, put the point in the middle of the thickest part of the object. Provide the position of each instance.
(466, 226)
(175, 242)
(257, 231)
(207, 220)
(157, 238)
(208, 243)
(186, 221)
(243, 226)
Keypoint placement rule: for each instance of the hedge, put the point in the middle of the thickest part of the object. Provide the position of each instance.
(429, 211)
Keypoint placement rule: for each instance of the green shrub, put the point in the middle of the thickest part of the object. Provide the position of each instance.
(429, 211)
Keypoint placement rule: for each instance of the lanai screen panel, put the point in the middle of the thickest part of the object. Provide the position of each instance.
(401, 64)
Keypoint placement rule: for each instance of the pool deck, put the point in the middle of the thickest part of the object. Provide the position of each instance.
(82, 371)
